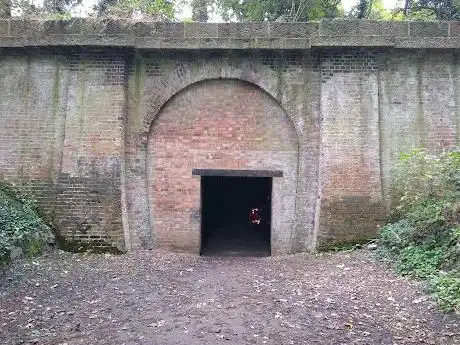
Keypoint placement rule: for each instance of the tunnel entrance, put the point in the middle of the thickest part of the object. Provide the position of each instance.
(226, 228)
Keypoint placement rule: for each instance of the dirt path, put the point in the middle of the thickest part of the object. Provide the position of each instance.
(154, 297)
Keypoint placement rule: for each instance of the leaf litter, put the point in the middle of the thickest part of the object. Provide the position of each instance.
(158, 297)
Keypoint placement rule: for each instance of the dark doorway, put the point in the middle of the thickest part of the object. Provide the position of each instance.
(225, 205)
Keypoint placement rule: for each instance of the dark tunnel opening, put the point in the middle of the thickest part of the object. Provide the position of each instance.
(226, 226)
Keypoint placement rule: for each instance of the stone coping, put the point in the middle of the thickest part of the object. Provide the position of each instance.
(286, 36)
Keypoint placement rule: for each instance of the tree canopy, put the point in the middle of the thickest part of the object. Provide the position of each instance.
(163, 9)
(434, 9)
(240, 10)
(278, 10)
(59, 6)
(5, 8)
(411, 10)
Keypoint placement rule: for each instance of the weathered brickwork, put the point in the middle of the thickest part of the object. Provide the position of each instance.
(107, 137)
(426, 113)
(61, 134)
(217, 125)
(350, 166)
(159, 79)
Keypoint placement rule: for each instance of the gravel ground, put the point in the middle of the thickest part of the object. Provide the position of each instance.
(156, 297)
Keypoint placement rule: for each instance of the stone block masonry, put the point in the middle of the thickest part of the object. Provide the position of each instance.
(105, 121)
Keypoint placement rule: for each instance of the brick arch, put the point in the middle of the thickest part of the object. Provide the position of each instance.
(262, 87)
(176, 82)
(261, 136)
(159, 87)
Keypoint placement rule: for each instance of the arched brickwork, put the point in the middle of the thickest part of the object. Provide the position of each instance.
(184, 75)
(158, 79)
(217, 124)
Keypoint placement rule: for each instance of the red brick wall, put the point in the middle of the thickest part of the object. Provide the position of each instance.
(351, 206)
(75, 127)
(61, 117)
(212, 125)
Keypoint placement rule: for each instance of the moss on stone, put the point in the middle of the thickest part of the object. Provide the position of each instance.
(75, 246)
(334, 246)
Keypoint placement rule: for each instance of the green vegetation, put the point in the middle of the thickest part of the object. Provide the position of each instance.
(20, 224)
(345, 246)
(278, 10)
(75, 246)
(160, 9)
(234, 10)
(303, 10)
(425, 10)
(424, 237)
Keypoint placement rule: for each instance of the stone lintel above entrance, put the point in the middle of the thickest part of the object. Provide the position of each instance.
(237, 173)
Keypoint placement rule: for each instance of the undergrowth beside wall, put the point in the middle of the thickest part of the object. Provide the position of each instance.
(21, 227)
(423, 238)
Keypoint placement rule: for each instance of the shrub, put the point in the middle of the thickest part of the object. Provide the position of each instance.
(446, 290)
(394, 237)
(421, 261)
(20, 223)
(424, 239)
(421, 176)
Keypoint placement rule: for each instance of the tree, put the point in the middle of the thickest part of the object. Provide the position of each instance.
(59, 6)
(200, 10)
(373, 9)
(162, 9)
(5, 8)
(431, 9)
(278, 10)
(363, 9)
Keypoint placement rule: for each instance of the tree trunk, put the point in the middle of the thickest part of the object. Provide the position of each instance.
(406, 7)
(200, 10)
(363, 7)
(5, 8)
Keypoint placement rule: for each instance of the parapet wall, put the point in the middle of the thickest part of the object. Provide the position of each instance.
(286, 36)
